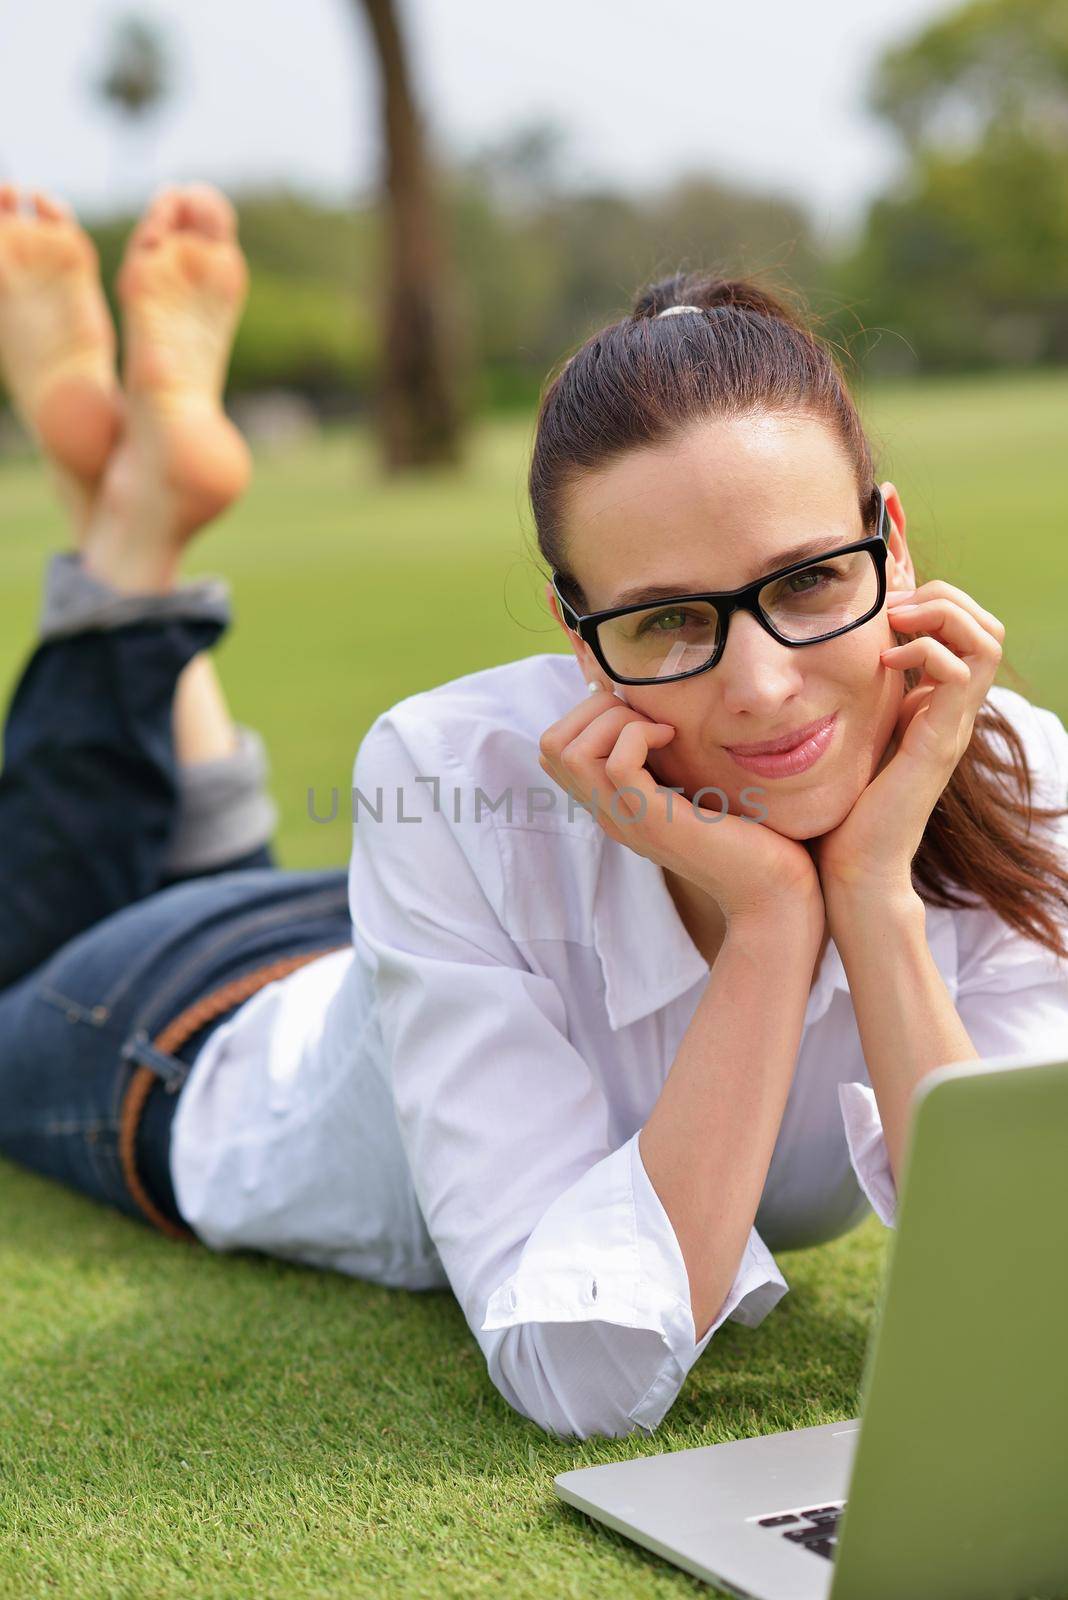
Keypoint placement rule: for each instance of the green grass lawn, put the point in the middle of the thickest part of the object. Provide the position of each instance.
(175, 1422)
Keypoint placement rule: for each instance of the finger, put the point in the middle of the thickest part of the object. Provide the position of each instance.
(951, 681)
(625, 766)
(936, 659)
(910, 704)
(595, 741)
(587, 714)
(938, 589)
(954, 625)
(597, 764)
(577, 765)
(560, 734)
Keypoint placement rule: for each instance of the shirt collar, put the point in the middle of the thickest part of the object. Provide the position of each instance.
(648, 958)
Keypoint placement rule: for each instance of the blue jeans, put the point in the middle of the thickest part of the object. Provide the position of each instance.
(107, 931)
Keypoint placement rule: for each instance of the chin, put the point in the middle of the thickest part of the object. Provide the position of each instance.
(802, 817)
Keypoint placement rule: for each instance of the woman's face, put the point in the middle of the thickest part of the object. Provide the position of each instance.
(723, 504)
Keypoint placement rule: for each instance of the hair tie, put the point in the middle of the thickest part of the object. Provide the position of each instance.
(675, 311)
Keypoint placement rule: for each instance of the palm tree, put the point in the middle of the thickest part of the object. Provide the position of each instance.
(136, 78)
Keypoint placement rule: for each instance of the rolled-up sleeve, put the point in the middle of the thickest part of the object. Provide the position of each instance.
(556, 1245)
(605, 1258)
(868, 1154)
(1011, 991)
(1013, 1001)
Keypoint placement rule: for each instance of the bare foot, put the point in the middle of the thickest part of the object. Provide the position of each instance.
(57, 343)
(180, 461)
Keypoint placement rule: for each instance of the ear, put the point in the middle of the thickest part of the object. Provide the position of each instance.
(900, 573)
(585, 657)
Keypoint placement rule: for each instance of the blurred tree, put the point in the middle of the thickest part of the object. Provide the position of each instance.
(525, 168)
(135, 81)
(967, 257)
(136, 78)
(420, 415)
(544, 264)
(992, 66)
(537, 271)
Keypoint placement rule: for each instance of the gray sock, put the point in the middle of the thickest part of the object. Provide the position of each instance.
(224, 808)
(74, 601)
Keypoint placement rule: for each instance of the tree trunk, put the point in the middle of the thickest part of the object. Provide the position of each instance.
(419, 408)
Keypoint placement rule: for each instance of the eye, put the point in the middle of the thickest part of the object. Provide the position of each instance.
(675, 618)
(801, 582)
(808, 581)
(657, 623)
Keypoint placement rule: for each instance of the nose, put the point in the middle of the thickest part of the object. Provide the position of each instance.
(756, 674)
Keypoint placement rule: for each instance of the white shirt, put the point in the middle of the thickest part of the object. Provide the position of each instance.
(456, 1101)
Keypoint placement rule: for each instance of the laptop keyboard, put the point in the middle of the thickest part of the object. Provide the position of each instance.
(815, 1529)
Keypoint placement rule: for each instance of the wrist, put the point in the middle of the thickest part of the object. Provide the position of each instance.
(889, 899)
(788, 923)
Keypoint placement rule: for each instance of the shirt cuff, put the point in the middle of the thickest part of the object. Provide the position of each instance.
(758, 1284)
(618, 1260)
(867, 1149)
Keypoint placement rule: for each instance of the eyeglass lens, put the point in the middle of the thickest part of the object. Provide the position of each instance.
(670, 640)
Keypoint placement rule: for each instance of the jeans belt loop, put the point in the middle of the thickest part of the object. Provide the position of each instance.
(141, 1049)
(174, 1072)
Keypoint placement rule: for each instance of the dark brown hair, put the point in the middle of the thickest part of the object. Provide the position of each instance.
(643, 379)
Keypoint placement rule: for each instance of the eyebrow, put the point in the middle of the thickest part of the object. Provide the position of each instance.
(669, 591)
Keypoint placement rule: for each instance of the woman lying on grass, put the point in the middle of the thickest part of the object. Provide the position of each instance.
(584, 1050)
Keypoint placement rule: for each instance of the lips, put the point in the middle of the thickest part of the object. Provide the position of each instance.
(786, 741)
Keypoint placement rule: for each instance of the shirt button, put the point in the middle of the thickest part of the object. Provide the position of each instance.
(512, 1299)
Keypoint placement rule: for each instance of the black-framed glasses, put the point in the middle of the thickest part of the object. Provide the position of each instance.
(804, 603)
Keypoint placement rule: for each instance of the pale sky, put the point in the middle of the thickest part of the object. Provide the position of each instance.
(282, 90)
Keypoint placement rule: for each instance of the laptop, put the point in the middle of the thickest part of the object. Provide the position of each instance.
(953, 1484)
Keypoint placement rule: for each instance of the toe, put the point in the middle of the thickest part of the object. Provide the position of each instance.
(9, 199)
(49, 209)
(163, 209)
(206, 210)
(148, 235)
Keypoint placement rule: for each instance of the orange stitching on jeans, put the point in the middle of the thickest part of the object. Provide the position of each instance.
(173, 1036)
